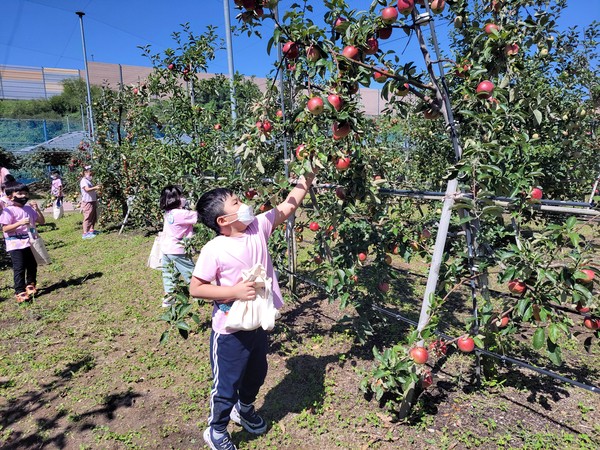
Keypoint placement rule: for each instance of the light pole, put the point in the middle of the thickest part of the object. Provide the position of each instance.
(230, 59)
(87, 78)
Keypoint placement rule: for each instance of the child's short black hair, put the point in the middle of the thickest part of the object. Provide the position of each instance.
(15, 186)
(55, 172)
(8, 178)
(210, 207)
(170, 198)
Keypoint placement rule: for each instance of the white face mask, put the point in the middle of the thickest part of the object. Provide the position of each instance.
(245, 214)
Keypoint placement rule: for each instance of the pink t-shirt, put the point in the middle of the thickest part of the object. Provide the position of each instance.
(87, 196)
(19, 237)
(224, 258)
(178, 224)
(3, 172)
(56, 185)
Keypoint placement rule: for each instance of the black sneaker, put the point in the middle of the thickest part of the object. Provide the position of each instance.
(224, 443)
(251, 421)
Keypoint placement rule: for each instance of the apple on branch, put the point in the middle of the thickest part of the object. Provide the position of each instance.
(315, 105)
(335, 101)
(389, 15)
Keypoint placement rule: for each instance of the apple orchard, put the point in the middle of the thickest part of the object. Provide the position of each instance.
(508, 111)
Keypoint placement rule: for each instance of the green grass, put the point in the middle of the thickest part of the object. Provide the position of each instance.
(81, 367)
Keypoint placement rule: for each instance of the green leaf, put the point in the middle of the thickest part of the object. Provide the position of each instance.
(539, 338)
(554, 353)
(538, 116)
(182, 325)
(553, 333)
(164, 337)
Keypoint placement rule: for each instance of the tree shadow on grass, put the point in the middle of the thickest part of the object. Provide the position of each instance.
(35, 404)
(73, 281)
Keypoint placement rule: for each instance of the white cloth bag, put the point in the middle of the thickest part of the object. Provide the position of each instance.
(58, 211)
(260, 312)
(156, 255)
(38, 248)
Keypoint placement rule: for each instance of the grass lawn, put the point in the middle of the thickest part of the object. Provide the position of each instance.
(81, 368)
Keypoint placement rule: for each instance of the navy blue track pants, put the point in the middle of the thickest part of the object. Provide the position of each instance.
(239, 366)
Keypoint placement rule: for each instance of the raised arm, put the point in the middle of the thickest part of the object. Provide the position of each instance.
(294, 198)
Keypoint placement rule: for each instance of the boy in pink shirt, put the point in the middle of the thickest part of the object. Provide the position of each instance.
(178, 224)
(239, 358)
(18, 225)
(89, 203)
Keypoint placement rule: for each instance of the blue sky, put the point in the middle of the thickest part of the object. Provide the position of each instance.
(46, 32)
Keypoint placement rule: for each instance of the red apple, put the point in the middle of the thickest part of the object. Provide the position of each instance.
(425, 234)
(318, 259)
(135, 91)
(250, 194)
(380, 77)
(437, 6)
(290, 50)
(581, 308)
(517, 287)
(267, 126)
(341, 130)
(217, 126)
(291, 67)
(339, 21)
(362, 256)
(340, 193)
(315, 105)
(485, 89)
(419, 355)
(171, 66)
(372, 46)
(406, 6)
(589, 276)
(490, 28)
(536, 193)
(313, 53)
(301, 152)
(465, 344)
(249, 4)
(403, 91)
(503, 321)
(426, 379)
(259, 12)
(591, 323)
(385, 32)
(383, 287)
(279, 113)
(350, 52)
(259, 125)
(511, 49)
(335, 101)
(342, 163)
(389, 15)
(314, 226)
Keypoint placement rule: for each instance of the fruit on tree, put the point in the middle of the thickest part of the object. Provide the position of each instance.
(362, 256)
(406, 6)
(335, 101)
(389, 15)
(314, 226)
(388, 260)
(591, 323)
(403, 91)
(517, 286)
(318, 259)
(503, 321)
(313, 53)
(267, 126)
(340, 130)
(342, 163)
(249, 4)
(171, 66)
(536, 193)
(340, 193)
(581, 308)
(419, 355)
(425, 234)
(339, 21)
(426, 379)
(465, 344)
(279, 113)
(485, 89)
(315, 105)
(351, 52)
(511, 49)
(301, 152)
(491, 28)
(384, 33)
(217, 126)
(290, 50)
(380, 75)
(589, 276)
(250, 194)
(372, 46)
(437, 6)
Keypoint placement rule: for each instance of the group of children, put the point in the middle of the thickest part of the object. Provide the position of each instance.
(238, 357)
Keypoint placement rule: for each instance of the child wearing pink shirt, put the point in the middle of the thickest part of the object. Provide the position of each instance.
(239, 358)
(18, 225)
(178, 224)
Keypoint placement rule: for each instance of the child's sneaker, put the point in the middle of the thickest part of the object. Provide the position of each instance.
(168, 301)
(31, 289)
(94, 232)
(88, 235)
(222, 443)
(251, 421)
(22, 297)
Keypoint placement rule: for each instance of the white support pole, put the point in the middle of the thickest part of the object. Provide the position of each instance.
(87, 79)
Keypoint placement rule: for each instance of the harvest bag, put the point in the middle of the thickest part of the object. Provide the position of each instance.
(38, 248)
(260, 312)
(155, 258)
(58, 211)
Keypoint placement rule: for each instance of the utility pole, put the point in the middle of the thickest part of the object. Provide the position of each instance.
(87, 79)
(230, 59)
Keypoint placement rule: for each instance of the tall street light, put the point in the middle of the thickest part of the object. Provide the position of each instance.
(87, 78)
